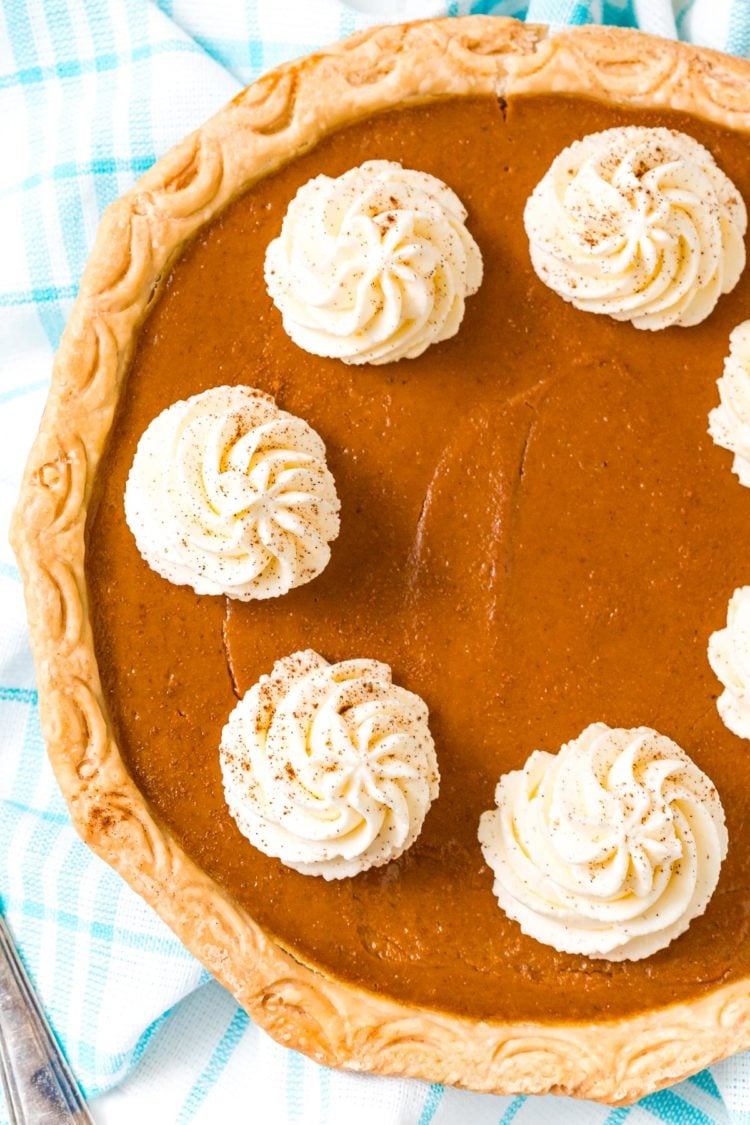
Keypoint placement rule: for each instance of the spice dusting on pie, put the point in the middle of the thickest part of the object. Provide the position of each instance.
(230, 495)
(609, 848)
(536, 532)
(329, 767)
(638, 223)
(374, 265)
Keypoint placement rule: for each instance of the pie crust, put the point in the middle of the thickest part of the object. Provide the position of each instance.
(281, 115)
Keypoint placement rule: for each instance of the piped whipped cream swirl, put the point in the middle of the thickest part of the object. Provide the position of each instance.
(373, 266)
(330, 768)
(729, 422)
(729, 656)
(640, 224)
(230, 495)
(609, 848)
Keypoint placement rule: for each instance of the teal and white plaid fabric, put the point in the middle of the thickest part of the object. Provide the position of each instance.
(91, 91)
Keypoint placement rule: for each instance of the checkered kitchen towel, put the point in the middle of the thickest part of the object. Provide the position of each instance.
(91, 91)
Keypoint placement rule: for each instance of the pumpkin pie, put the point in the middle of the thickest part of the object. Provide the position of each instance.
(537, 533)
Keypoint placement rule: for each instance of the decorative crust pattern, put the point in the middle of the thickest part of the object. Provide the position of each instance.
(276, 118)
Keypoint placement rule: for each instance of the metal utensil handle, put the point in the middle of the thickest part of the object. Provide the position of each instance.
(39, 1085)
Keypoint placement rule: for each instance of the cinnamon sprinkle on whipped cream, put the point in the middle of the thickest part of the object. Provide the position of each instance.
(640, 224)
(331, 768)
(374, 265)
(231, 495)
(608, 849)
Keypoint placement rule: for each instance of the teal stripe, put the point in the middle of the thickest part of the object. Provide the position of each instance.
(20, 392)
(68, 203)
(6, 570)
(18, 809)
(264, 56)
(617, 1116)
(704, 1080)
(104, 954)
(69, 170)
(347, 22)
(40, 269)
(101, 29)
(580, 14)
(38, 260)
(100, 931)
(104, 166)
(431, 1103)
(74, 68)
(149, 1034)
(513, 1109)
(107, 1066)
(258, 57)
(668, 1106)
(20, 34)
(216, 1065)
(106, 187)
(112, 1068)
(66, 888)
(18, 695)
(60, 28)
(244, 58)
(683, 15)
(38, 296)
(140, 122)
(26, 785)
(738, 32)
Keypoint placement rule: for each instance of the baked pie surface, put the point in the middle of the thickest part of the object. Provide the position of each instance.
(537, 532)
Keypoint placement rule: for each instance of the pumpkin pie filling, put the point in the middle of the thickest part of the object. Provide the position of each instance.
(537, 533)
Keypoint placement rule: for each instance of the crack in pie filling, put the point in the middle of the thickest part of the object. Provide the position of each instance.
(527, 529)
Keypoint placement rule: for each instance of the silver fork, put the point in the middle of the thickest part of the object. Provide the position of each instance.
(39, 1085)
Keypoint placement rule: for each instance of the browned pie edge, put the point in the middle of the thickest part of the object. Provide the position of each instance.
(279, 116)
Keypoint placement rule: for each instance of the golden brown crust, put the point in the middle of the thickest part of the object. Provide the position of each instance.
(277, 117)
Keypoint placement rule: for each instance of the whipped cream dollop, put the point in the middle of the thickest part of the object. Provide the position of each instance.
(373, 266)
(729, 422)
(729, 656)
(640, 224)
(330, 768)
(609, 848)
(230, 495)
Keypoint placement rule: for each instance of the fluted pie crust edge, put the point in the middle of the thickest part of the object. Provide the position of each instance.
(281, 115)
